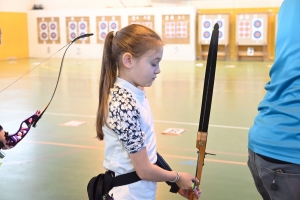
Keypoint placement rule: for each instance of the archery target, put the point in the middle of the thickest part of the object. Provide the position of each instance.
(44, 36)
(206, 35)
(206, 29)
(103, 27)
(43, 31)
(77, 26)
(257, 29)
(181, 29)
(82, 26)
(207, 24)
(176, 29)
(72, 30)
(53, 31)
(48, 30)
(170, 30)
(220, 23)
(73, 26)
(113, 25)
(43, 26)
(221, 28)
(53, 36)
(244, 29)
(72, 35)
(106, 24)
(53, 26)
(221, 35)
(82, 29)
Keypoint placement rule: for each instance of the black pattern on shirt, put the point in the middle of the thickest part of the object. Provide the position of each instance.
(124, 119)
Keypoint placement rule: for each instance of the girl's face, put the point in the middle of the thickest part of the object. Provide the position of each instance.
(145, 69)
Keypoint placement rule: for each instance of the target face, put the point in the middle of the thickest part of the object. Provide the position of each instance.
(53, 35)
(44, 35)
(103, 26)
(182, 29)
(206, 24)
(220, 24)
(243, 29)
(48, 30)
(52, 26)
(257, 24)
(43, 26)
(82, 26)
(72, 26)
(113, 25)
(220, 34)
(257, 34)
(206, 34)
(103, 35)
(73, 35)
(170, 30)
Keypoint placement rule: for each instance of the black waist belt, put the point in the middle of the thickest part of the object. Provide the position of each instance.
(125, 179)
(132, 177)
(272, 160)
(100, 185)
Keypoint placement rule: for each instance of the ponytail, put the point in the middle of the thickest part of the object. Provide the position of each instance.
(134, 39)
(107, 79)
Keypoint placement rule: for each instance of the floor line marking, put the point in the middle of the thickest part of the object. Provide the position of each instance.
(165, 155)
(195, 124)
(158, 121)
(206, 159)
(65, 145)
(43, 157)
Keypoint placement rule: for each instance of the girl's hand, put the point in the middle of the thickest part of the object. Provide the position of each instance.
(186, 193)
(3, 140)
(186, 180)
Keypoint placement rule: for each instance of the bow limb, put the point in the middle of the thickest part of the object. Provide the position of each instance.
(13, 140)
(60, 69)
(206, 105)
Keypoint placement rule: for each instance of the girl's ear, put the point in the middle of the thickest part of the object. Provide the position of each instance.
(127, 60)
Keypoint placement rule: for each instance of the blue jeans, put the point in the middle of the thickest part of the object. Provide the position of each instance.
(286, 177)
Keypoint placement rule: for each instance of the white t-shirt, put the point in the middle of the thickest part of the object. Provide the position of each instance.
(131, 128)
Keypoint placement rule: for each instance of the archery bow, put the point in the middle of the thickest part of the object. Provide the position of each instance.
(13, 140)
(206, 104)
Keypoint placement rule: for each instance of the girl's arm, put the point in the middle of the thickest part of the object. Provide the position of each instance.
(147, 171)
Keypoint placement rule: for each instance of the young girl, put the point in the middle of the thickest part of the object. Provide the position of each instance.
(131, 58)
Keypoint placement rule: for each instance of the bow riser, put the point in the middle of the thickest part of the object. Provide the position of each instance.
(201, 146)
(206, 105)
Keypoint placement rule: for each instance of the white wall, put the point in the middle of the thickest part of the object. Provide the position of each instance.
(25, 5)
(94, 50)
(15, 5)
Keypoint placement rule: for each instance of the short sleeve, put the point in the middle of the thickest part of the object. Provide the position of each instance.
(123, 119)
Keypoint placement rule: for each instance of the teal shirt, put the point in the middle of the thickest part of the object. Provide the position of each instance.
(276, 129)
